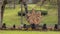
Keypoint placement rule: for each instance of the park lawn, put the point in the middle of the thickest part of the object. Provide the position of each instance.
(28, 32)
(11, 16)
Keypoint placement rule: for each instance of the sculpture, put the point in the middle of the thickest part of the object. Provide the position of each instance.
(34, 17)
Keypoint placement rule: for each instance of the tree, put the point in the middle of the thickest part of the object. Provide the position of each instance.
(2, 11)
(58, 12)
(14, 3)
(58, 3)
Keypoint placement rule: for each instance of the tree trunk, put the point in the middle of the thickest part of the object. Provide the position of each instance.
(14, 3)
(58, 12)
(3, 3)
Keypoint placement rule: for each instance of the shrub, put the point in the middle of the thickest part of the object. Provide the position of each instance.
(23, 14)
(44, 13)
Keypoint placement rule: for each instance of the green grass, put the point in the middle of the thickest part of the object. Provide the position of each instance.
(11, 15)
(28, 32)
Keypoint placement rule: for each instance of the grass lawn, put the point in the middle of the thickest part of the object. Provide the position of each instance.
(28, 32)
(11, 15)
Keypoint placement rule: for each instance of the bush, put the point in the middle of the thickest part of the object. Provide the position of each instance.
(44, 13)
(19, 14)
(4, 26)
(33, 26)
(44, 27)
(56, 27)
